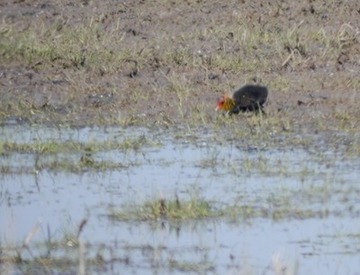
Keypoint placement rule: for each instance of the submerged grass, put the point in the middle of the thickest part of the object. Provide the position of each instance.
(54, 147)
(192, 267)
(71, 156)
(167, 209)
(195, 209)
(66, 254)
(84, 164)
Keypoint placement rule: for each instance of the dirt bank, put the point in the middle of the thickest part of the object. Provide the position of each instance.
(166, 62)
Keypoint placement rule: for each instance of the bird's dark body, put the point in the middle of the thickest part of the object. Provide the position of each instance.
(249, 98)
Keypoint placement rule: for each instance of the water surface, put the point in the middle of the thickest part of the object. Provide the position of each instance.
(185, 165)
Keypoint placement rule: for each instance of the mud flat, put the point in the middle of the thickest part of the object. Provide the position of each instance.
(113, 160)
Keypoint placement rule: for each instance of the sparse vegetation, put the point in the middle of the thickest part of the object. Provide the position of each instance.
(53, 147)
(167, 209)
(163, 64)
(102, 62)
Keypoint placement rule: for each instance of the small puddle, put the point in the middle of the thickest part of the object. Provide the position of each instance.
(317, 193)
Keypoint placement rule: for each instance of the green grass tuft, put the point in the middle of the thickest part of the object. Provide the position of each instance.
(167, 209)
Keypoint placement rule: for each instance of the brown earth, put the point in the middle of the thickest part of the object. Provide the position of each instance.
(180, 57)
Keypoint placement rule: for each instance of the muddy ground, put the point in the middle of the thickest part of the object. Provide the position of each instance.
(166, 62)
(163, 64)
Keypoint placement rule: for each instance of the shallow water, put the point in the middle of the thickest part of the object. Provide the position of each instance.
(185, 165)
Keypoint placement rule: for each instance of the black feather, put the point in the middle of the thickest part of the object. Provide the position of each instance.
(249, 98)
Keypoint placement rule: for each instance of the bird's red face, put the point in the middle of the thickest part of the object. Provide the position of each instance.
(225, 103)
(220, 104)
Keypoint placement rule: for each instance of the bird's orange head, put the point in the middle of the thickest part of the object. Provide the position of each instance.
(225, 103)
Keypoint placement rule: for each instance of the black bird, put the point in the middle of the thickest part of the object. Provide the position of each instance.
(247, 98)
